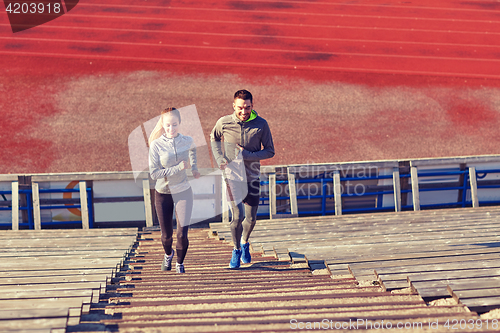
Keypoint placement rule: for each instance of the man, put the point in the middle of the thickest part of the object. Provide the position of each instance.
(247, 141)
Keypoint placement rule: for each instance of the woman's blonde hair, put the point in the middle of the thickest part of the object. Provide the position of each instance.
(158, 130)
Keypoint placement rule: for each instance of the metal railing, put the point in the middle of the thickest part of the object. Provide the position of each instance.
(29, 209)
(289, 192)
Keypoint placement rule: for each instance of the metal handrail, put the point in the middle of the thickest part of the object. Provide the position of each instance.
(29, 206)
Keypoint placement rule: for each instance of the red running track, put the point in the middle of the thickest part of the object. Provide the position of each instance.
(434, 45)
(449, 38)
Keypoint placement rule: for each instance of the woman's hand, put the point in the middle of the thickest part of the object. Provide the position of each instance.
(184, 165)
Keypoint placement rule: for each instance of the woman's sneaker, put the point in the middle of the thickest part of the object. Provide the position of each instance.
(235, 259)
(179, 268)
(246, 258)
(166, 265)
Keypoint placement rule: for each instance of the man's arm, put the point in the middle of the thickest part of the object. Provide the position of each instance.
(268, 147)
(216, 143)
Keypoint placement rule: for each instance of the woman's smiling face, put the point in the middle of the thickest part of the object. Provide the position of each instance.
(170, 125)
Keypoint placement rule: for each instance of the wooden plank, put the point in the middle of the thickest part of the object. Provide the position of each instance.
(473, 187)
(337, 193)
(15, 205)
(92, 232)
(37, 323)
(36, 206)
(49, 252)
(84, 204)
(438, 213)
(414, 189)
(87, 176)
(476, 293)
(272, 195)
(370, 266)
(21, 320)
(67, 241)
(56, 272)
(23, 294)
(404, 244)
(266, 169)
(23, 304)
(332, 257)
(482, 304)
(455, 160)
(50, 287)
(422, 217)
(55, 279)
(68, 234)
(440, 276)
(445, 266)
(8, 178)
(396, 183)
(399, 217)
(387, 231)
(147, 202)
(293, 193)
(361, 253)
(70, 264)
(345, 166)
(78, 176)
(352, 252)
(478, 283)
(34, 313)
(354, 233)
(435, 292)
(345, 243)
(430, 283)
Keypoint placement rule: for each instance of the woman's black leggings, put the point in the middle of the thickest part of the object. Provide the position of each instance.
(183, 203)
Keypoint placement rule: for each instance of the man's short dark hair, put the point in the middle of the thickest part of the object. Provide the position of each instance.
(244, 95)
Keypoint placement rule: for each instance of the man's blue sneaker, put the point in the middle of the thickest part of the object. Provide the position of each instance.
(235, 259)
(246, 258)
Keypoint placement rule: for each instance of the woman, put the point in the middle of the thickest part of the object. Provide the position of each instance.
(170, 154)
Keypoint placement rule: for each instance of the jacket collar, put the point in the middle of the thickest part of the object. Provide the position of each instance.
(253, 115)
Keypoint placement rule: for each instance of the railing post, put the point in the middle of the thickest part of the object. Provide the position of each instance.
(337, 192)
(37, 218)
(272, 194)
(293, 193)
(84, 206)
(225, 208)
(396, 184)
(473, 187)
(414, 189)
(218, 190)
(147, 202)
(15, 205)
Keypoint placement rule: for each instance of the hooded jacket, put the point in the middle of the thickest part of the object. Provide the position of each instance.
(253, 135)
(165, 154)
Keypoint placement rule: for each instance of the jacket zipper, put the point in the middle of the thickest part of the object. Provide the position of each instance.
(242, 135)
(175, 150)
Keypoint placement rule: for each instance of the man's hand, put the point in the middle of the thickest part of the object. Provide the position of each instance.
(196, 174)
(223, 165)
(240, 147)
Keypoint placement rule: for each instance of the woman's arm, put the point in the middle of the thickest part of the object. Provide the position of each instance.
(193, 161)
(156, 169)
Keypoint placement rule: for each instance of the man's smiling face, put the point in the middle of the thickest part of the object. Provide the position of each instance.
(242, 108)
